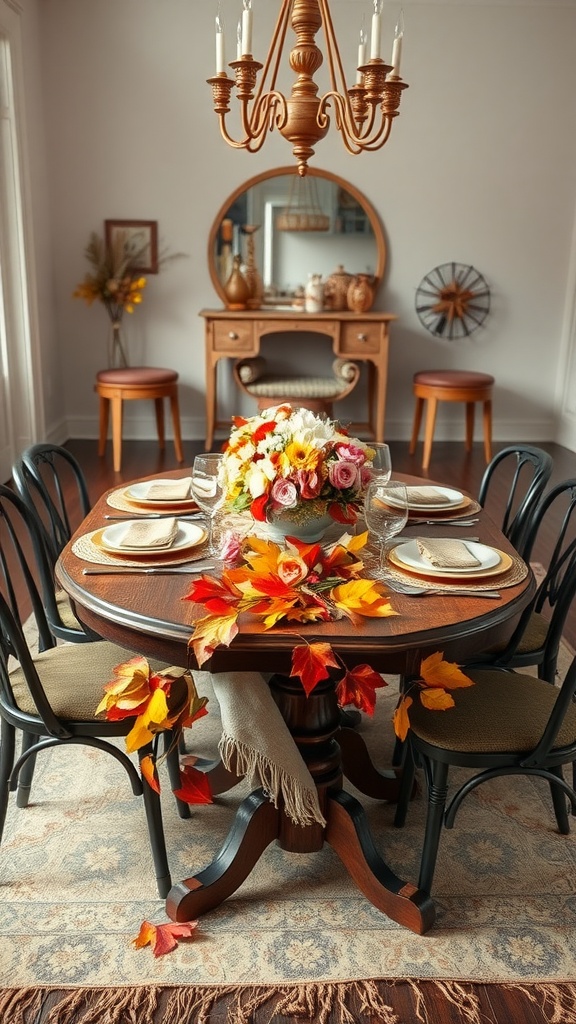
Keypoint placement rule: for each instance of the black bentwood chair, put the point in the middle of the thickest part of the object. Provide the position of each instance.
(507, 723)
(52, 696)
(526, 471)
(50, 481)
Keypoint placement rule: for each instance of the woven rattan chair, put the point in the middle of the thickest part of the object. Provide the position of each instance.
(506, 723)
(43, 476)
(51, 697)
(315, 393)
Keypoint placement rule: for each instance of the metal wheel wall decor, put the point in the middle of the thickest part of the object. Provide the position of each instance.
(452, 300)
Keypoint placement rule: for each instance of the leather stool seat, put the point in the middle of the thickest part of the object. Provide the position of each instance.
(131, 383)
(468, 386)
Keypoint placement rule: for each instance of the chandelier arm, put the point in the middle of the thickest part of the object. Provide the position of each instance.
(267, 112)
(355, 143)
(275, 52)
(333, 51)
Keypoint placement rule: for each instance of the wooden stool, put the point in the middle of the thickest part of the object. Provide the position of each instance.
(435, 386)
(130, 383)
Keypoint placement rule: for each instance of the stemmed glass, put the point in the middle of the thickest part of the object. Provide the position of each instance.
(385, 512)
(207, 489)
(381, 463)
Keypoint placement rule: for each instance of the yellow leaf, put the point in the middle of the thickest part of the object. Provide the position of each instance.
(437, 672)
(363, 597)
(138, 736)
(436, 699)
(210, 632)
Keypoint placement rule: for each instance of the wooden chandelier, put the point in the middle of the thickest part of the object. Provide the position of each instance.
(363, 113)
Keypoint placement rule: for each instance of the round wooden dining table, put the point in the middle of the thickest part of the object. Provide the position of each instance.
(147, 614)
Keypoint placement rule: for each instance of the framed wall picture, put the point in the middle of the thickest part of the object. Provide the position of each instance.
(140, 237)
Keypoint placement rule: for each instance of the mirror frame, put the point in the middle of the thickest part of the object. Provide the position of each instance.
(316, 172)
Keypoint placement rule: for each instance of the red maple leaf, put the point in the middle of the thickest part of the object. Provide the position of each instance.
(195, 786)
(310, 662)
(163, 937)
(359, 687)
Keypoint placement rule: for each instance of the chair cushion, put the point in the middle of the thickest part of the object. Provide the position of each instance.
(66, 614)
(73, 677)
(503, 711)
(133, 375)
(534, 635)
(453, 378)
(285, 388)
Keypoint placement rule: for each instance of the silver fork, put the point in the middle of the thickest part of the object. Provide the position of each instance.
(407, 588)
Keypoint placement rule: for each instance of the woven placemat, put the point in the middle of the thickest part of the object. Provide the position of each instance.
(89, 550)
(517, 572)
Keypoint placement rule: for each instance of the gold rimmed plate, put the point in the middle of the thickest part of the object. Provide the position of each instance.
(493, 562)
(137, 494)
(109, 540)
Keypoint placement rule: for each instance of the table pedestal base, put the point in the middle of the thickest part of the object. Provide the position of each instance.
(329, 752)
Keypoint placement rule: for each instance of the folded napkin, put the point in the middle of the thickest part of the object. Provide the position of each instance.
(179, 490)
(146, 533)
(256, 742)
(447, 554)
(425, 496)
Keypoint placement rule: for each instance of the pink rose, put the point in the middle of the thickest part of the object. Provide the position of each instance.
(284, 493)
(309, 483)
(230, 547)
(344, 475)
(351, 453)
(366, 475)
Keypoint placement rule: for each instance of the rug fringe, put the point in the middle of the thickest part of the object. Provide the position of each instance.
(352, 1002)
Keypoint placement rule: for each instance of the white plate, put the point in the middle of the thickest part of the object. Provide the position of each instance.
(409, 555)
(139, 492)
(451, 496)
(188, 536)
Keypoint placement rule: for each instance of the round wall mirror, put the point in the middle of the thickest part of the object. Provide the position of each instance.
(287, 227)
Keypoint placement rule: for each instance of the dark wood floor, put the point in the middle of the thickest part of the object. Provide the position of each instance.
(451, 465)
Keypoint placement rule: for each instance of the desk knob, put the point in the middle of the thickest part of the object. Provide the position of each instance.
(232, 335)
(362, 337)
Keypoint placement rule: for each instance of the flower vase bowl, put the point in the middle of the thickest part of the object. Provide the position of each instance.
(307, 526)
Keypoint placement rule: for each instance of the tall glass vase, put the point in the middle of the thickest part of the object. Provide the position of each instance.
(117, 358)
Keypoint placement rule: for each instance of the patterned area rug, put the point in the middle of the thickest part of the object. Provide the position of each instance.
(77, 881)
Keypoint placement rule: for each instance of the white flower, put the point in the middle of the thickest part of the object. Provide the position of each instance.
(255, 481)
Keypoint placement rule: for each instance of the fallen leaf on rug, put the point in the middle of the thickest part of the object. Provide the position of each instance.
(163, 937)
(195, 788)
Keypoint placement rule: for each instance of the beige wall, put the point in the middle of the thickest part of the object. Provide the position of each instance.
(481, 168)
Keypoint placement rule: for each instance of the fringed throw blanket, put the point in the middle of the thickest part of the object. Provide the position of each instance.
(257, 743)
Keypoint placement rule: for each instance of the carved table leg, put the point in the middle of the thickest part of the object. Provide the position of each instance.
(313, 722)
(358, 768)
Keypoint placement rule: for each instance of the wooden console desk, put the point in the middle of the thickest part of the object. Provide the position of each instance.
(359, 336)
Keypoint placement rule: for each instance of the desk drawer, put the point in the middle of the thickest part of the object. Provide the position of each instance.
(360, 337)
(233, 336)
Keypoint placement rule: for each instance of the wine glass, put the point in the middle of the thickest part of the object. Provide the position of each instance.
(381, 463)
(207, 489)
(385, 512)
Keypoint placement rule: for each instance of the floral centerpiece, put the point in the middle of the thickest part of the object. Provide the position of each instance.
(116, 282)
(289, 466)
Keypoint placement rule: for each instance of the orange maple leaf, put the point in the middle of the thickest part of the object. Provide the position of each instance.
(435, 698)
(195, 788)
(163, 937)
(148, 769)
(310, 661)
(437, 672)
(401, 720)
(359, 687)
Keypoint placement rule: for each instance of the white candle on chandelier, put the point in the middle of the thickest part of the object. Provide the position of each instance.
(376, 38)
(397, 44)
(220, 58)
(239, 41)
(361, 55)
(247, 27)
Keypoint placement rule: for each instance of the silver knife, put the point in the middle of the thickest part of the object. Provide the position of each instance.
(128, 570)
(441, 522)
